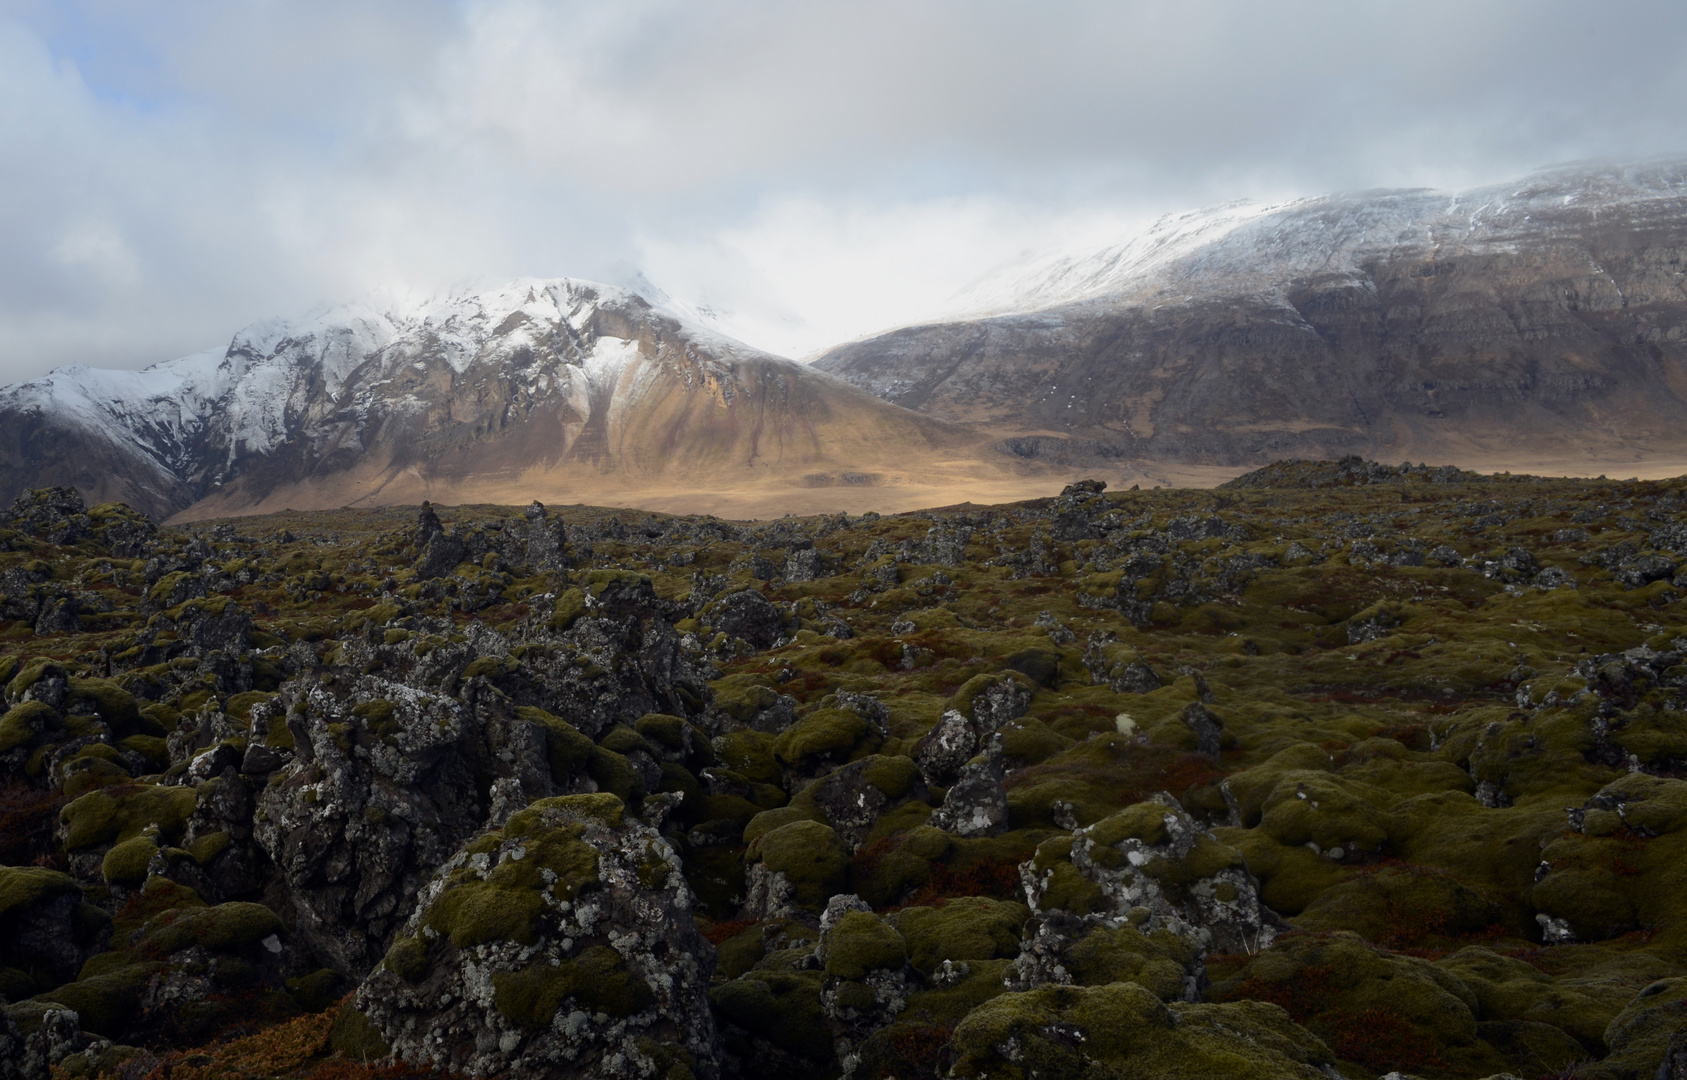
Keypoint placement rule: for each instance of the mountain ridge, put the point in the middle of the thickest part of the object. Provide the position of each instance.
(1544, 318)
(549, 386)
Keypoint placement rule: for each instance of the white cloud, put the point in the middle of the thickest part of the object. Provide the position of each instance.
(173, 169)
(802, 274)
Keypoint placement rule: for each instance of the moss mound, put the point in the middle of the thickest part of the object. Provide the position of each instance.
(1123, 1029)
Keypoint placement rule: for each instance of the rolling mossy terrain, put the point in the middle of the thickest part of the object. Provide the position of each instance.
(1339, 770)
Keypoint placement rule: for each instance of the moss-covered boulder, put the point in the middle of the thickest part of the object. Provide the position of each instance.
(1511, 989)
(1064, 949)
(1639, 1036)
(876, 795)
(865, 962)
(966, 928)
(41, 934)
(773, 1026)
(1622, 864)
(1154, 865)
(185, 973)
(1123, 1029)
(798, 865)
(822, 741)
(561, 944)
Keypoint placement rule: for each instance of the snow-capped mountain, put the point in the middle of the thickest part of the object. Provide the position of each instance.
(1546, 317)
(539, 386)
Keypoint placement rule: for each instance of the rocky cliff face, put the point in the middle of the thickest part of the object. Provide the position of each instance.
(1546, 317)
(541, 387)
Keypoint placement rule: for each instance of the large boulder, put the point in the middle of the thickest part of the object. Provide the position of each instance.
(561, 945)
(1155, 866)
(381, 789)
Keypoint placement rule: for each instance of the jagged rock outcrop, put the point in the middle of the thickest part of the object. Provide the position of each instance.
(561, 945)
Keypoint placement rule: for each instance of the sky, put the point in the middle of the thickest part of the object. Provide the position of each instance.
(812, 172)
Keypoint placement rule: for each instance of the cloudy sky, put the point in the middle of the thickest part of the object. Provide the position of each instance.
(171, 171)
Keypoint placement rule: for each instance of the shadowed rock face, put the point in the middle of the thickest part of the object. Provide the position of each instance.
(1544, 317)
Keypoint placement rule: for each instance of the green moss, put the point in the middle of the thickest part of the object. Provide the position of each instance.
(750, 754)
(861, 942)
(126, 863)
(570, 605)
(231, 927)
(154, 749)
(113, 704)
(15, 985)
(1641, 1033)
(24, 723)
(613, 773)
(491, 667)
(962, 702)
(1029, 741)
(317, 990)
(408, 959)
(32, 672)
(1124, 1026)
(740, 952)
(602, 807)
(622, 739)
(768, 820)
(1339, 985)
(506, 903)
(354, 1037)
(665, 731)
(598, 582)
(566, 749)
(810, 856)
(1063, 886)
(598, 980)
(379, 717)
(966, 928)
(1328, 811)
(826, 736)
(208, 847)
(1251, 787)
(1402, 903)
(676, 777)
(1507, 988)
(1290, 877)
(107, 1004)
(743, 697)
(121, 813)
(24, 887)
(1160, 962)
(781, 1007)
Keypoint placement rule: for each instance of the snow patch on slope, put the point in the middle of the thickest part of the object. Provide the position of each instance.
(1251, 248)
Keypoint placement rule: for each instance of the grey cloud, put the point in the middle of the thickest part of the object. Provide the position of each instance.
(170, 171)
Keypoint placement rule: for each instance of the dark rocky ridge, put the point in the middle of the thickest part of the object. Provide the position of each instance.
(1544, 319)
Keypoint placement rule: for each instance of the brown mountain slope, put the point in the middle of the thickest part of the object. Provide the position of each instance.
(558, 390)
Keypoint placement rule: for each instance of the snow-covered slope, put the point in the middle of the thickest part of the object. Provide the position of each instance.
(1246, 246)
(389, 395)
(1548, 314)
